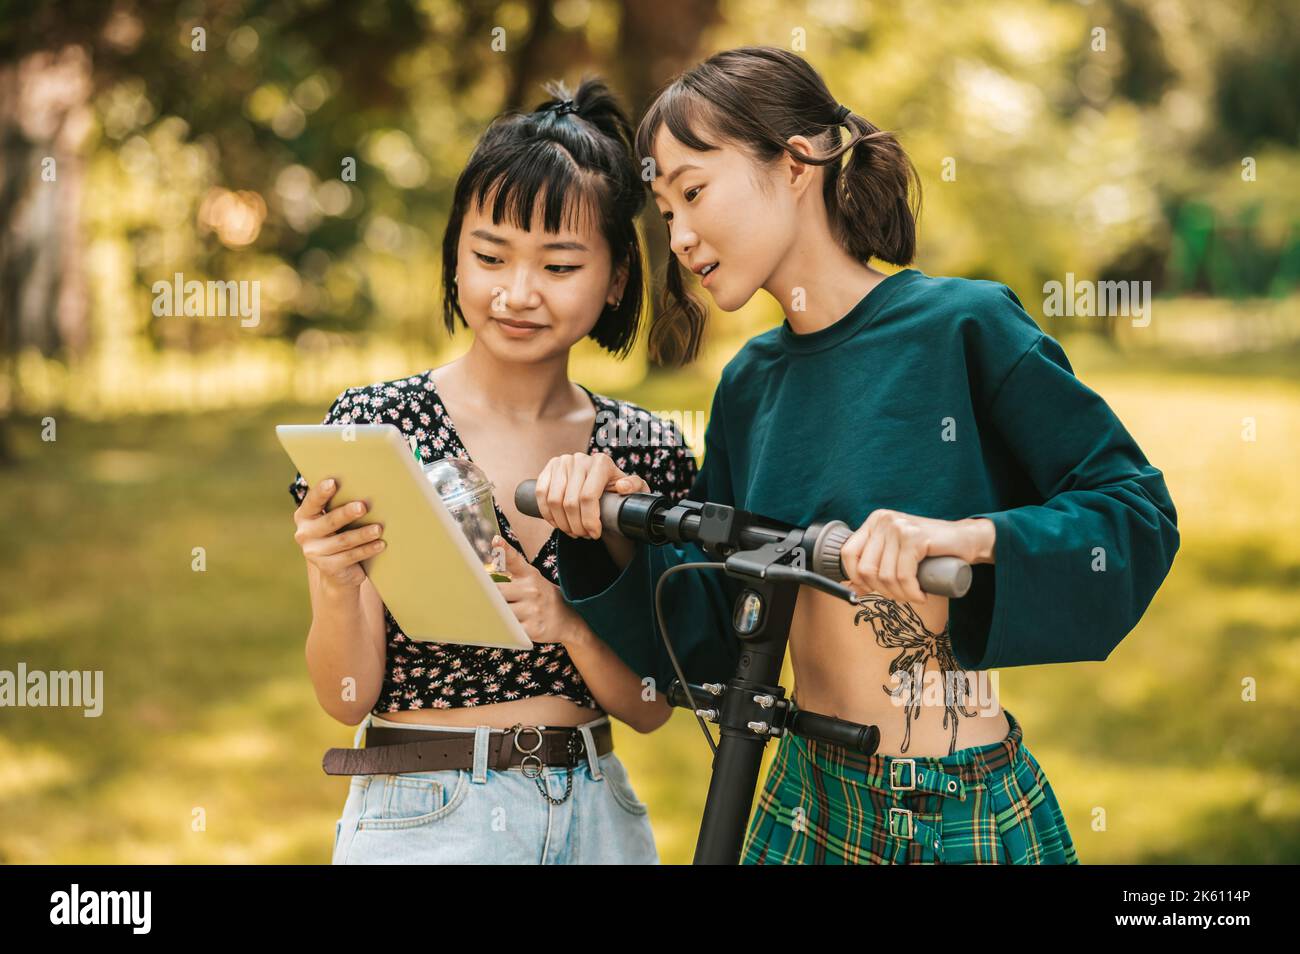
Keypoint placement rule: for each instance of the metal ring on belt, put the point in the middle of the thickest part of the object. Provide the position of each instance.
(391, 751)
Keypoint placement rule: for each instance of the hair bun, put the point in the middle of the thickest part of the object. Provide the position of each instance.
(562, 108)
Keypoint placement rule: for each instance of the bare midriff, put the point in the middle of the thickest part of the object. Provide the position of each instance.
(539, 710)
(891, 665)
(882, 663)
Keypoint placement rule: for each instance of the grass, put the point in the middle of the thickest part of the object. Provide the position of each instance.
(209, 746)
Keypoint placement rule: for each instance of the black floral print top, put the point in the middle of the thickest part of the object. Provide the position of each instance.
(423, 675)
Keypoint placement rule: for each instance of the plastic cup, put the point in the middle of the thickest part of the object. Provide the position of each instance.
(467, 494)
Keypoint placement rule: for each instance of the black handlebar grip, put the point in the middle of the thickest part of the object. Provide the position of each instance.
(526, 498)
(526, 502)
(824, 728)
(941, 575)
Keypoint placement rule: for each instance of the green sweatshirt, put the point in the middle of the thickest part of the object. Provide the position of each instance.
(938, 397)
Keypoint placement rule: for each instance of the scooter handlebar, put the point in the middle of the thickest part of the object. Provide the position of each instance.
(941, 575)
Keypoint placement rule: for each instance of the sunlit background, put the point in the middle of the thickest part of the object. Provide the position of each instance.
(1134, 140)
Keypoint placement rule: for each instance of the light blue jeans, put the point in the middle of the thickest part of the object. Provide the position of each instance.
(488, 816)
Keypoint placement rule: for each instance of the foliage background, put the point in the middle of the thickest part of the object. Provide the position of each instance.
(1167, 155)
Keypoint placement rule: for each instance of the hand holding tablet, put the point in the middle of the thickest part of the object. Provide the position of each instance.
(335, 553)
(429, 576)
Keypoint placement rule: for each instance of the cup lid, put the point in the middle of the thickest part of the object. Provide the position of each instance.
(457, 480)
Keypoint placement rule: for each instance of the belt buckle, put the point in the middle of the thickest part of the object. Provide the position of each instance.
(911, 779)
(524, 764)
(907, 815)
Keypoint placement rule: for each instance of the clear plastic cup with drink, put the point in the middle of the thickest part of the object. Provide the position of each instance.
(467, 494)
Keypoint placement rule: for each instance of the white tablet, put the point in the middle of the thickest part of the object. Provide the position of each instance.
(428, 575)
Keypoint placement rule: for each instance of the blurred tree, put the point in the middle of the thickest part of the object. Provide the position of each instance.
(1095, 138)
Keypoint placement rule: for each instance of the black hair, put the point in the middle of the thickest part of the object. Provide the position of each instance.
(758, 97)
(571, 155)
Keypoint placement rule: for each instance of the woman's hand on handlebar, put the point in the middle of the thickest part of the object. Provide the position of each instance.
(570, 486)
(883, 554)
(337, 556)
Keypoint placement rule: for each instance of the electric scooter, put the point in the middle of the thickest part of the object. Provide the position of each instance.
(773, 559)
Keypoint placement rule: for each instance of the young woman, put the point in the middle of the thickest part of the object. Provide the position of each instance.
(930, 413)
(540, 251)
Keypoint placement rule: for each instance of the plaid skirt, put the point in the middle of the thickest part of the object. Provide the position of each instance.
(984, 805)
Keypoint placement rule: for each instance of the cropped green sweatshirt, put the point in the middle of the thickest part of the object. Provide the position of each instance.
(938, 397)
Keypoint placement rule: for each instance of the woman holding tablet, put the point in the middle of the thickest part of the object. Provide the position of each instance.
(540, 251)
(931, 414)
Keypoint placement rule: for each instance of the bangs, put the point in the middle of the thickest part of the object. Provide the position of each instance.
(558, 170)
(683, 111)
(540, 178)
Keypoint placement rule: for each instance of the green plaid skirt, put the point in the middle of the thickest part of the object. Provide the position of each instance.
(984, 805)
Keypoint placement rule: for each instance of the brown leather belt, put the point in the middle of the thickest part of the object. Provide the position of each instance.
(390, 751)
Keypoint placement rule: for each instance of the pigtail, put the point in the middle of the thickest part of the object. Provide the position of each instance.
(597, 105)
(677, 328)
(868, 201)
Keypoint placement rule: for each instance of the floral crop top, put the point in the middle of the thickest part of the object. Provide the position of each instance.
(422, 675)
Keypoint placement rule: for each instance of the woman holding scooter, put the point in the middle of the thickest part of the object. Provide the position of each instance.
(930, 413)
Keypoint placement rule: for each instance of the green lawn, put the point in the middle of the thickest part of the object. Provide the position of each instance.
(208, 705)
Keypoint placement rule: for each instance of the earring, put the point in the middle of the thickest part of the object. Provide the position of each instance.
(617, 303)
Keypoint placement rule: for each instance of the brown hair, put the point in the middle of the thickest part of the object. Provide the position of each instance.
(758, 97)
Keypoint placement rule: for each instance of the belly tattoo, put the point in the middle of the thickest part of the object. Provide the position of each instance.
(897, 626)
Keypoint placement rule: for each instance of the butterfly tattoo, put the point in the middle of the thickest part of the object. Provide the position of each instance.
(897, 626)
